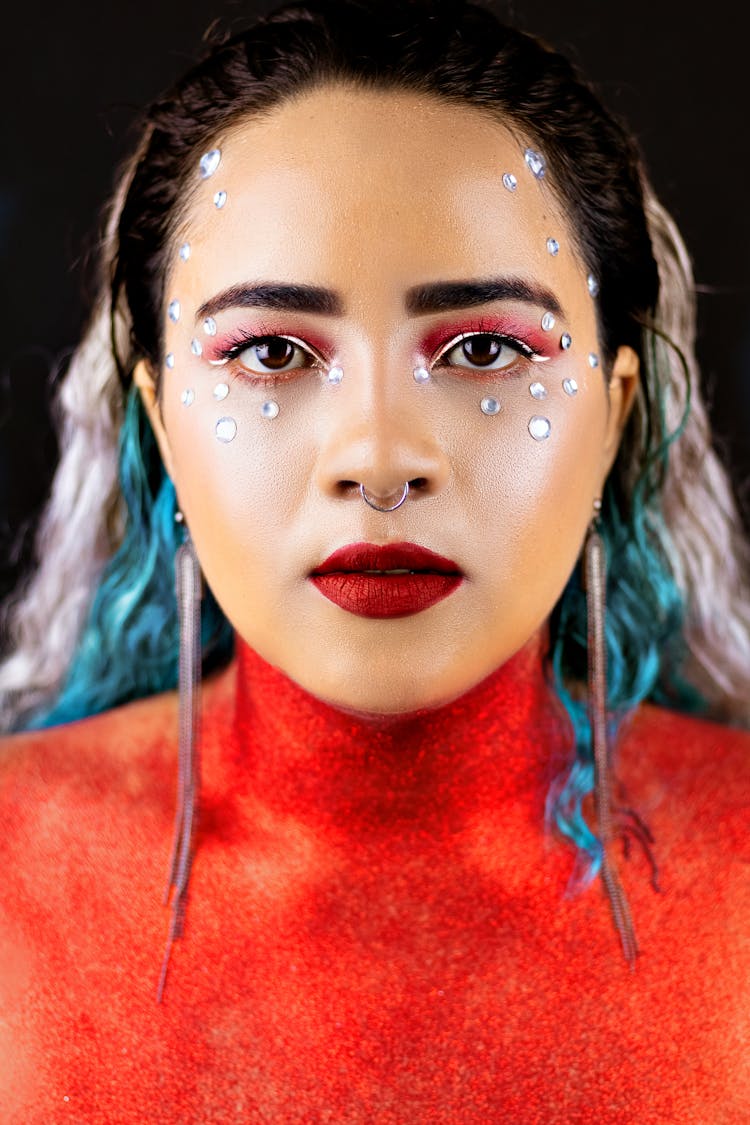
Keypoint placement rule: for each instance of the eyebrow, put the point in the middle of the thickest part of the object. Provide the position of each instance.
(440, 296)
(273, 295)
(437, 296)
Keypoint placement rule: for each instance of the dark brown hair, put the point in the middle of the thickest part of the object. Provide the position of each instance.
(448, 48)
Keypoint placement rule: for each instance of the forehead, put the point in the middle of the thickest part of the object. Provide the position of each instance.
(357, 182)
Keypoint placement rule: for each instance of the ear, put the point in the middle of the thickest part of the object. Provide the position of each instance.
(144, 380)
(623, 385)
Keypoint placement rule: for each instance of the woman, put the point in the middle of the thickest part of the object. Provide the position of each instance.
(393, 364)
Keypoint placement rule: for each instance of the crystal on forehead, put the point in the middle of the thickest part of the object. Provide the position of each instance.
(509, 181)
(173, 311)
(593, 285)
(220, 199)
(209, 162)
(566, 341)
(169, 360)
(593, 359)
(187, 397)
(570, 386)
(196, 347)
(535, 162)
(221, 390)
(548, 321)
(209, 326)
(553, 247)
(185, 251)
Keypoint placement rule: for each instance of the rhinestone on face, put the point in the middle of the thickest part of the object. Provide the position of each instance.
(270, 409)
(540, 428)
(553, 247)
(593, 359)
(187, 398)
(209, 162)
(570, 386)
(169, 360)
(566, 341)
(196, 347)
(335, 375)
(220, 199)
(185, 251)
(421, 375)
(173, 311)
(538, 390)
(221, 390)
(209, 326)
(509, 181)
(490, 406)
(535, 163)
(593, 285)
(226, 429)
(548, 322)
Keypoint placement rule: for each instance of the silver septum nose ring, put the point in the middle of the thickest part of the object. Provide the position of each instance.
(378, 507)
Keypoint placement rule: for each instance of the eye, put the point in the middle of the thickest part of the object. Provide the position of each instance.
(486, 351)
(272, 355)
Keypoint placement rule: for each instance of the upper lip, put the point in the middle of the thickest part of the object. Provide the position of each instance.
(389, 556)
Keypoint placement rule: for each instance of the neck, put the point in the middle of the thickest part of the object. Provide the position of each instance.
(499, 744)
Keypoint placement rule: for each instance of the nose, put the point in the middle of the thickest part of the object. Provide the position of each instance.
(380, 439)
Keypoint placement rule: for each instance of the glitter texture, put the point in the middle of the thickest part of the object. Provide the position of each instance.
(443, 976)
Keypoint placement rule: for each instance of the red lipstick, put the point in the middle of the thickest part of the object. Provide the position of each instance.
(345, 579)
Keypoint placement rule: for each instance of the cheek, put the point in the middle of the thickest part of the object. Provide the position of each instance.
(236, 495)
(537, 495)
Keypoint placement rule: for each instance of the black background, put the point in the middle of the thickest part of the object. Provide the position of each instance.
(73, 77)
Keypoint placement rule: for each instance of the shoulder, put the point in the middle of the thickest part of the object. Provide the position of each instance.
(690, 778)
(129, 750)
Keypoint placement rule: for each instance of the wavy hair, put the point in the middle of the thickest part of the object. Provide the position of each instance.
(95, 625)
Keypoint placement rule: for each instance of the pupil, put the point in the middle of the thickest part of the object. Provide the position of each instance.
(275, 353)
(482, 349)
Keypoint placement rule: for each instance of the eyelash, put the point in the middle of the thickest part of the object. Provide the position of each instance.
(234, 347)
(238, 344)
(524, 350)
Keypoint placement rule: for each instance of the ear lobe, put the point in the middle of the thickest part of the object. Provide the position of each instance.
(144, 380)
(623, 386)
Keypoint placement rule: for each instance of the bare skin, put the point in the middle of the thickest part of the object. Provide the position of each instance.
(371, 195)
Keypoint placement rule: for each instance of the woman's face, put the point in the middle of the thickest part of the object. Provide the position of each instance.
(371, 235)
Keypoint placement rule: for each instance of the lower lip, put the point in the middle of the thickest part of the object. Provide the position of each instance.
(387, 595)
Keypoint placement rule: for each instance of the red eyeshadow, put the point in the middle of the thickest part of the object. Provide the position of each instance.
(513, 326)
(214, 348)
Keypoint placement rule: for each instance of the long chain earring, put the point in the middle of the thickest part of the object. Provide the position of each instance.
(595, 569)
(188, 592)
